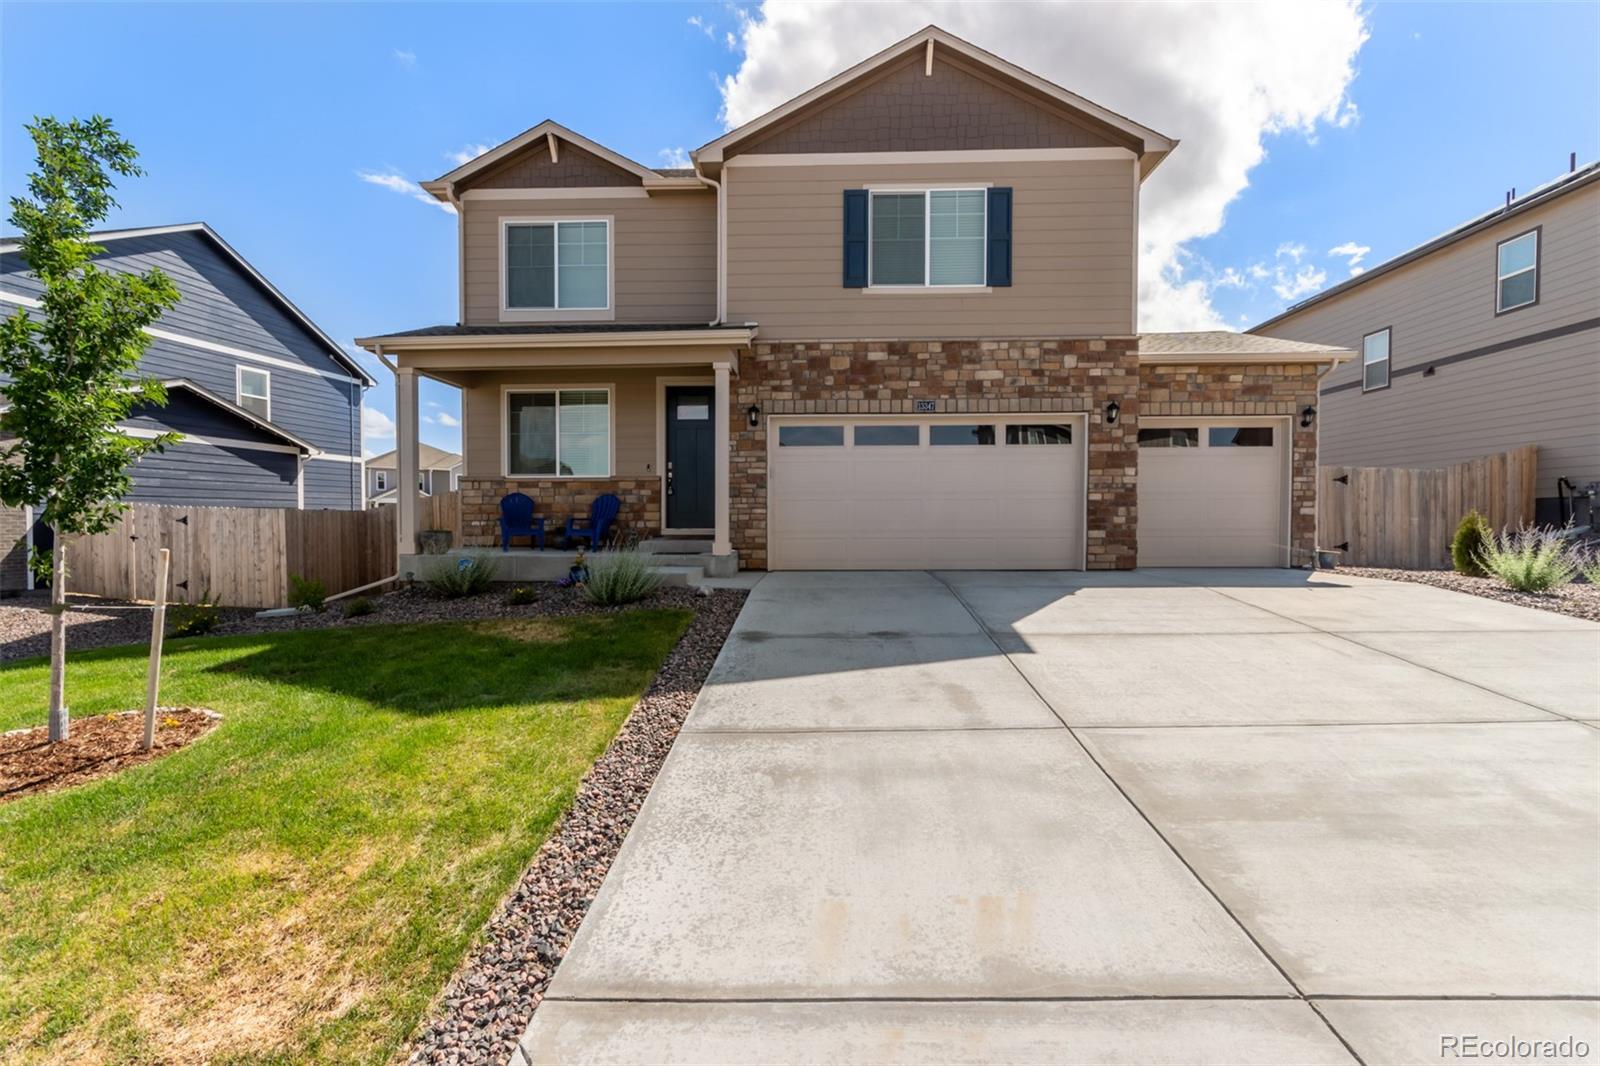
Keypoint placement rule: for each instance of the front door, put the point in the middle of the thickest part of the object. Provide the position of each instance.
(690, 475)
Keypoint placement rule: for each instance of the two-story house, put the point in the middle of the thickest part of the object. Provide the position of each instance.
(889, 324)
(268, 404)
(437, 471)
(1478, 341)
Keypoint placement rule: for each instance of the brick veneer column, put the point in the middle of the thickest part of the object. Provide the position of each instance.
(1250, 389)
(960, 377)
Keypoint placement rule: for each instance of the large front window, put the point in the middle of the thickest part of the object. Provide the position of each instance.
(557, 265)
(558, 433)
(929, 238)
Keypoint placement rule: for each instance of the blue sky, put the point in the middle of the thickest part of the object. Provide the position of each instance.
(261, 119)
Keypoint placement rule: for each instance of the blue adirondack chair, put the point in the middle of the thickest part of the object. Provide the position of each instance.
(602, 513)
(517, 520)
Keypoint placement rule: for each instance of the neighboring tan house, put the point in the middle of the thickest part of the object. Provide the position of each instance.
(268, 405)
(1479, 341)
(889, 324)
(437, 471)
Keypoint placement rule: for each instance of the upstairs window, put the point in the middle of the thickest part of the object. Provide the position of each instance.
(557, 265)
(253, 391)
(929, 238)
(1375, 361)
(380, 481)
(1517, 272)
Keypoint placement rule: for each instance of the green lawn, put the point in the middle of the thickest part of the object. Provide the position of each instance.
(298, 884)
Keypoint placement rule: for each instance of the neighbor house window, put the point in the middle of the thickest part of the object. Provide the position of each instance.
(1375, 361)
(930, 238)
(557, 266)
(380, 481)
(1517, 272)
(558, 433)
(254, 391)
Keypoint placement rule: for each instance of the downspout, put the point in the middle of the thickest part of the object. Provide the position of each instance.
(1316, 466)
(722, 246)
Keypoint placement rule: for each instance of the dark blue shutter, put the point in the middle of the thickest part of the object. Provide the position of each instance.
(855, 238)
(999, 236)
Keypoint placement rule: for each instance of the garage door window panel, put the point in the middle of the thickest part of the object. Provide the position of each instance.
(1239, 437)
(1039, 435)
(891, 436)
(810, 436)
(959, 435)
(1169, 437)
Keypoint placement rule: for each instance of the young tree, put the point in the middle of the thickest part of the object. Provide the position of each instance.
(72, 371)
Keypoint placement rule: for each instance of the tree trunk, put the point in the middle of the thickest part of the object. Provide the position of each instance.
(58, 639)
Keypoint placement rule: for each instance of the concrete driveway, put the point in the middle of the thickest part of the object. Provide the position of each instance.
(1164, 816)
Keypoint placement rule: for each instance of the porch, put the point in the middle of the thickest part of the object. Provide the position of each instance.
(680, 561)
(564, 414)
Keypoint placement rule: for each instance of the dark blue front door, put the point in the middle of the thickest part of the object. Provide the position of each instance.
(690, 472)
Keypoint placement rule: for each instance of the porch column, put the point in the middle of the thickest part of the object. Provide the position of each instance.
(721, 543)
(405, 442)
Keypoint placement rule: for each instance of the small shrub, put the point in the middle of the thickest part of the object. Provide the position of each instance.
(451, 579)
(521, 596)
(358, 607)
(1467, 545)
(1531, 559)
(194, 619)
(1591, 569)
(623, 576)
(307, 592)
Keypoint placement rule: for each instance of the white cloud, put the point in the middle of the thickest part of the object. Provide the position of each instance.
(1301, 281)
(731, 41)
(1352, 252)
(1287, 69)
(377, 431)
(467, 154)
(705, 26)
(402, 185)
(1292, 250)
(448, 419)
(404, 58)
(674, 157)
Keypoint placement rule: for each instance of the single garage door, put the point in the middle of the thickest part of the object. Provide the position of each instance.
(1211, 492)
(900, 493)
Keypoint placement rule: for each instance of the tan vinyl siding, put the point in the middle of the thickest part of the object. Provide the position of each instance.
(1073, 240)
(664, 246)
(1547, 393)
(633, 399)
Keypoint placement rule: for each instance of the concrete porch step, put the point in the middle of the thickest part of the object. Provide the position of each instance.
(675, 546)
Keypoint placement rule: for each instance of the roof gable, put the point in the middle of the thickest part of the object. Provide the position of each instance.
(902, 93)
(551, 156)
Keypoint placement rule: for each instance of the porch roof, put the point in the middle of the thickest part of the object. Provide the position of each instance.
(563, 334)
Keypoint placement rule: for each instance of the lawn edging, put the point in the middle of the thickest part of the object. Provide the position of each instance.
(486, 1006)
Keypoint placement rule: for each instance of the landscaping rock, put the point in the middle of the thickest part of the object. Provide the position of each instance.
(1580, 599)
(487, 1005)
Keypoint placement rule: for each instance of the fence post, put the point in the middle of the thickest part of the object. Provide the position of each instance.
(158, 627)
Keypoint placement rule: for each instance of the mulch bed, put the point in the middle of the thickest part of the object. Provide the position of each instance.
(488, 1004)
(1580, 600)
(95, 747)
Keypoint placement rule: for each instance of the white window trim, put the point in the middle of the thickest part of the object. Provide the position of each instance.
(1387, 360)
(560, 314)
(505, 432)
(927, 192)
(380, 481)
(238, 388)
(1500, 279)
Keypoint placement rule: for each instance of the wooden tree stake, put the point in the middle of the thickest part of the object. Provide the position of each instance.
(158, 628)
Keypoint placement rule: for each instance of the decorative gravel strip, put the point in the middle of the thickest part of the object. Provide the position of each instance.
(1578, 600)
(487, 1005)
(25, 623)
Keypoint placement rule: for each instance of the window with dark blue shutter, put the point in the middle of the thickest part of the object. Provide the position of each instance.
(999, 237)
(855, 238)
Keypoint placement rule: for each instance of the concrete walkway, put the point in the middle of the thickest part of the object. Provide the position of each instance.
(1165, 816)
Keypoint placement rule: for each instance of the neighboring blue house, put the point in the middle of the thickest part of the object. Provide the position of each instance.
(269, 405)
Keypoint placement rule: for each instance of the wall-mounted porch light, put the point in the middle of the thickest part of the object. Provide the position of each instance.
(1112, 411)
(1308, 416)
(754, 414)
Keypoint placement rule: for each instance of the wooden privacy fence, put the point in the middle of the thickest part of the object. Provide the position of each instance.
(442, 510)
(241, 556)
(1401, 517)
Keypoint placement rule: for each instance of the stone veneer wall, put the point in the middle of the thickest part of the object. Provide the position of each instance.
(1249, 389)
(13, 550)
(963, 376)
(557, 500)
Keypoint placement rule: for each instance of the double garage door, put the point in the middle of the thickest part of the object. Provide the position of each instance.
(980, 493)
(901, 493)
